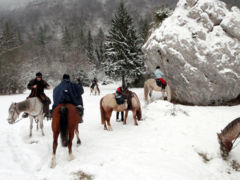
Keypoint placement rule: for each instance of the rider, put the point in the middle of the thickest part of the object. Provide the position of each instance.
(159, 77)
(37, 87)
(119, 95)
(95, 82)
(68, 92)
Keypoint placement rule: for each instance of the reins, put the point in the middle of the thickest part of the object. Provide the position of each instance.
(235, 141)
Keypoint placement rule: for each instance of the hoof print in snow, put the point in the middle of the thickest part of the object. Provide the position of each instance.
(82, 175)
(204, 157)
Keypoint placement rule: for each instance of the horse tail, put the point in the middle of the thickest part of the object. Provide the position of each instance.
(145, 91)
(102, 112)
(64, 125)
(139, 111)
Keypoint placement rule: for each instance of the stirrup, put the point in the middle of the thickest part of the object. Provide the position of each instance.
(80, 109)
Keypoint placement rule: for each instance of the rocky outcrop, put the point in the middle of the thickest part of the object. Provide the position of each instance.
(198, 49)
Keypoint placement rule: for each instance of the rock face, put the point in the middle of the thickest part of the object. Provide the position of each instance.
(198, 49)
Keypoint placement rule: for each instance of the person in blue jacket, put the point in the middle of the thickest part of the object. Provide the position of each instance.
(68, 92)
(159, 78)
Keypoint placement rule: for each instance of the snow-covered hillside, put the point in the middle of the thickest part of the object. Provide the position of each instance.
(168, 144)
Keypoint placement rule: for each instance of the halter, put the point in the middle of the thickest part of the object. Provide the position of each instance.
(15, 111)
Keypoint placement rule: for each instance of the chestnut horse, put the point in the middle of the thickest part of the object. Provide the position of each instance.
(108, 104)
(65, 121)
(228, 136)
(151, 85)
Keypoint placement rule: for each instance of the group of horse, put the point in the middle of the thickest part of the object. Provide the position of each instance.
(65, 117)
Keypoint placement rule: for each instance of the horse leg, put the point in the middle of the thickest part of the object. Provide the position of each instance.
(55, 143)
(31, 126)
(134, 112)
(125, 119)
(71, 135)
(108, 117)
(41, 124)
(77, 134)
(163, 94)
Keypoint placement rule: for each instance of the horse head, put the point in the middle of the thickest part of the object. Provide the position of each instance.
(225, 147)
(12, 113)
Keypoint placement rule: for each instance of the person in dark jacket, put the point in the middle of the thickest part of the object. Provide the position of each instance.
(119, 94)
(37, 87)
(68, 92)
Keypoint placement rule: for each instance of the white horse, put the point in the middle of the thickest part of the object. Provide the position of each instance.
(94, 89)
(32, 106)
(151, 85)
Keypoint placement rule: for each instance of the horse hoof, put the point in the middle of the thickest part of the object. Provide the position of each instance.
(43, 134)
(124, 123)
(78, 142)
(71, 157)
(30, 135)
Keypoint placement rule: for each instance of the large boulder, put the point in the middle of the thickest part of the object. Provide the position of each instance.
(198, 49)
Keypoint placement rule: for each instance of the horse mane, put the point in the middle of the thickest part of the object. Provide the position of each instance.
(230, 126)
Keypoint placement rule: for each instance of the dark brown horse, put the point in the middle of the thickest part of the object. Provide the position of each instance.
(108, 104)
(228, 136)
(65, 121)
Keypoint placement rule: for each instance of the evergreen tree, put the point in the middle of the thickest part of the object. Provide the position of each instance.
(67, 39)
(81, 41)
(100, 38)
(123, 52)
(9, 38)
(143, 29)
(42, 36)
(89, 48)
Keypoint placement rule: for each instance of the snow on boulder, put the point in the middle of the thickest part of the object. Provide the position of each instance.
(198, 49)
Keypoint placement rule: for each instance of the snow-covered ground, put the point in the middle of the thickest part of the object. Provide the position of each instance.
(166, 145)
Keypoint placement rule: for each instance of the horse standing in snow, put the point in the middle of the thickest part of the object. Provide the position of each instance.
(151, 85)
(108, 104)
(32, 106)
(228, 136)
(65, 121)
(94, 89)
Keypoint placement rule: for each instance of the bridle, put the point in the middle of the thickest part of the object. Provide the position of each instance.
(15, 111)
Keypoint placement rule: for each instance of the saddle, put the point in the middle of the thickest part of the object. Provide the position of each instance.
(161, 83)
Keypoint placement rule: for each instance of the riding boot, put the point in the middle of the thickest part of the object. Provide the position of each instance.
(25, 115)
(80, 109)
(46, 110)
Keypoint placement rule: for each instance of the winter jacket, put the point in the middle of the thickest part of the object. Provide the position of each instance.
(158, 73)
(67, 92)
(39, 91)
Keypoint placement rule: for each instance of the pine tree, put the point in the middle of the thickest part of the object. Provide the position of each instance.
(99, 50)
(9, 38)
(67, 39)
(89, 48)
(42, 36)
(123, 52)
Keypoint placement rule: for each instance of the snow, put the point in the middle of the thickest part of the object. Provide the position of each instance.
(165, 145)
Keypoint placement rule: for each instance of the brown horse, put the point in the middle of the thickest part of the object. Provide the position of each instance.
(108, 104)
(151, 85)
(230, 133)
(65, 121)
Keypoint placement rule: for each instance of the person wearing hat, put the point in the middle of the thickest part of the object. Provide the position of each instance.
(68, 92)
(37, 86)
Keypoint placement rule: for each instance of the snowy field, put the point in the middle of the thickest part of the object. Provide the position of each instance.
(173, 142)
